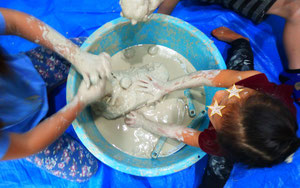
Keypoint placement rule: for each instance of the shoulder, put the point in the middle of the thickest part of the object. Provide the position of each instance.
(226, 78)
(261, 83)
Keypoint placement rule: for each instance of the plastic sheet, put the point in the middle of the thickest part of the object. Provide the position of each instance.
(81, 18)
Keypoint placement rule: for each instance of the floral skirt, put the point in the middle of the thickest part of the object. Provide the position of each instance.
(65, 158)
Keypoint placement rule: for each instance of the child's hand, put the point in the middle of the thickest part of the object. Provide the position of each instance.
(138, 10)
(93, 67)
(134, 120)
(93, 93)
(154, 87)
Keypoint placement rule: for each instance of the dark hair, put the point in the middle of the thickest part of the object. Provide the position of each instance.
(259, 132)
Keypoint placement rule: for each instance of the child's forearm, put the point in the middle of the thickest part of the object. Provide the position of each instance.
(55, 126)
(195, 79)
(181, 133)
(46, 132)
(32, 29)
(215, 78)
(91, 67)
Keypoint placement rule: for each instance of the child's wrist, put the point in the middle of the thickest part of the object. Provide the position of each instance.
(73, 55)
(79, 102)
(168, 88)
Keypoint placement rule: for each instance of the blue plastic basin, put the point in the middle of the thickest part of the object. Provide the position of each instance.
(119, 34)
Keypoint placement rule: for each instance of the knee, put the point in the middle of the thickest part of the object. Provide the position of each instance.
(288, 9)
(77, 172)
(293, 11)
(295, 14)
(82, 164)
(84, 173)
(74, 162)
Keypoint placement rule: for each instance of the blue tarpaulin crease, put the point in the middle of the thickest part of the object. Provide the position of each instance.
(81, 18)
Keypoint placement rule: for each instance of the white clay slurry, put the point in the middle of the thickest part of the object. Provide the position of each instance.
(137, 141)
(129, 53)
(125, 98)
(163, 112)
(152, 50)
(125, 82)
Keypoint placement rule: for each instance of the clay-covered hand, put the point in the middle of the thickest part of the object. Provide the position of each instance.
(138, 10)
(152, 86)
(134, 120)
(95, 92)
(93, 67)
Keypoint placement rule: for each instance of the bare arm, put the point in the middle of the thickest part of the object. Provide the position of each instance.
(90, 66)
(33, 141)
(46, 132)
(215, 78)
(34, 30)
(187, 135)
(167, 6)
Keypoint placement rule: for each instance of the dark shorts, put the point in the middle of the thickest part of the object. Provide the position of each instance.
(253, 9)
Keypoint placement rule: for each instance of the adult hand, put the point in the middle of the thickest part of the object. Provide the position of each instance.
(138, 10)
(154, 87)
(93, 93)
(93, 67)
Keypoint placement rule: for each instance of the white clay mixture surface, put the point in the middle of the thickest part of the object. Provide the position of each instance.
(128, 67)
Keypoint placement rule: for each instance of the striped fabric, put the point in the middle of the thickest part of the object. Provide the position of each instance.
(252, 9)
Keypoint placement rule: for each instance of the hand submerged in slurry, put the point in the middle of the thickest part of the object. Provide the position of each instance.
(155, 87)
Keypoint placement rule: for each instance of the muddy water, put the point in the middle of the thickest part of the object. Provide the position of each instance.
(172, 109)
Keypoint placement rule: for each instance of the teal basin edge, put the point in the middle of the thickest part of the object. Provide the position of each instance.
(119, 34)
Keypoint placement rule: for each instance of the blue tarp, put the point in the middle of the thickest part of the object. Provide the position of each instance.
(80, 18)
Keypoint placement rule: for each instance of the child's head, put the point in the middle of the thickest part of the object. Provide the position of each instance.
(259, 131)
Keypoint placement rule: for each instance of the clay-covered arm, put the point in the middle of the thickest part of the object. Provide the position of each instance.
(90, 66)
(215, 78)
(187, 135)
(46, 132)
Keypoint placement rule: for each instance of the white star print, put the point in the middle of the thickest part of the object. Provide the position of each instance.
(234, 91)
(216, 109)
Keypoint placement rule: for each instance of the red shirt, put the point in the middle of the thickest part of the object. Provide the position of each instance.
(208, 138)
